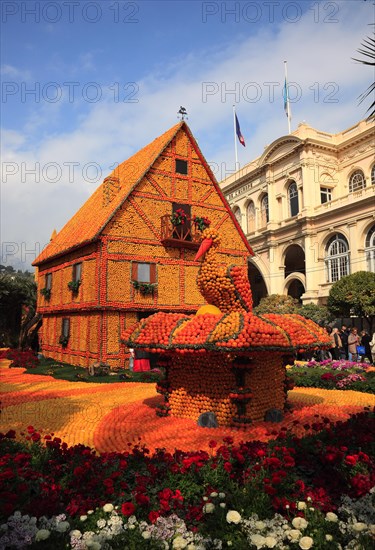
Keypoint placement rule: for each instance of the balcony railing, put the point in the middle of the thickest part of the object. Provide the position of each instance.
(180, 236)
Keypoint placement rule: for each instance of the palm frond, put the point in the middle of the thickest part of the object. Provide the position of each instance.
(368, 51)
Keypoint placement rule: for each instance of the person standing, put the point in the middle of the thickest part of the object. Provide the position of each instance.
(372, 347)
(141, 361)
(343, 333)
(336, 348)
(365, 342)
(353, 342)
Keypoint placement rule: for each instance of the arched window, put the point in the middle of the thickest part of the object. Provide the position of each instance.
(357, 181)
(237, 213)
(337, 258)
(293, 199)
(264, 212)
(373, 175)
(250, 211)
(370, 249)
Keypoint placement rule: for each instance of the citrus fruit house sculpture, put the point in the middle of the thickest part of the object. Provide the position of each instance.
(224, 358)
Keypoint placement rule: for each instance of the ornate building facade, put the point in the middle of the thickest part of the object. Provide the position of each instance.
(307, 207)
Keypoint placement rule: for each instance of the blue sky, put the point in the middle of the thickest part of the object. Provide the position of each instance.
(85, 84)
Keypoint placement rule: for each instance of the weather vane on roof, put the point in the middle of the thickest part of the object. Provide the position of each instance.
(183, 113)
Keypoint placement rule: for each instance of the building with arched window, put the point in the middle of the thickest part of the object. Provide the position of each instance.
(307, 207)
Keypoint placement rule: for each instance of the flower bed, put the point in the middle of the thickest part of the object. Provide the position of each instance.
(250, 495)
(20, 359)
(342, 375)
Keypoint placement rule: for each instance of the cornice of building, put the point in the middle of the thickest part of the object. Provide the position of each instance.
(304, 138)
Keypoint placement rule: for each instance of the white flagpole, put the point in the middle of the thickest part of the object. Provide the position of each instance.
(289, 114)
(237, 166)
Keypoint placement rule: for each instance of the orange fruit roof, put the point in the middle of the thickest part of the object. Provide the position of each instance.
(92, 217)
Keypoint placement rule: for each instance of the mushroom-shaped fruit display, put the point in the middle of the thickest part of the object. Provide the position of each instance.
(224, 359)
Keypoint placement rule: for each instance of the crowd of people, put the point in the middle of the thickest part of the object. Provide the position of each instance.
(347, 343)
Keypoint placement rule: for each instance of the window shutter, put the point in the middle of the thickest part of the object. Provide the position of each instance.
(152, 273)
(134, 271)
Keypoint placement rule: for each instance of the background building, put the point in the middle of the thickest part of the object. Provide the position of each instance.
(126, 255)
(307, 207)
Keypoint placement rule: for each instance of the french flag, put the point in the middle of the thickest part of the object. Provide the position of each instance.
(238, 132)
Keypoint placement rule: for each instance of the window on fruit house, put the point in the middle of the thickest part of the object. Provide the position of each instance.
(65, 328)
(143, 273)
(77, 272)
(181, 214)
(181, 167)
(48, 281)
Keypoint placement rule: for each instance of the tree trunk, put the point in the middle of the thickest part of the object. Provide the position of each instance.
(29, 328)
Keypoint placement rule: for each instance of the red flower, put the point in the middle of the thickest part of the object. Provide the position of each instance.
(153, 516)
(128, 509)
(142, 500)
(227, 467)
(212, 444)
(351, 460)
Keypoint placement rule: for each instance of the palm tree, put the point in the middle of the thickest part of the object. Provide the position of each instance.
(368, 50)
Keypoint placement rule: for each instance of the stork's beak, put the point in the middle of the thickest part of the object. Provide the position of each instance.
(205, 245)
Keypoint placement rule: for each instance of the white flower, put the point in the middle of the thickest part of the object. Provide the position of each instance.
(76, 534)
(329, 538)
(205, 499)
(312, 509)
(131, 526)
(83, 518)
(88, 535)
(191, 546)
(94, 545)
(305, 543)
(108, 507)
(299, 523)
(293, 535)
(214, 494)
(101, 523)
(229, 543)
(222, 505)
(301, 506)
(132, 519)
(89, 512)
(146, 535)
(359, 526)
(221, 495)
(233, 517)
(260, 525)
(258, 540)
(42, 534)
(62, 526)
(309, 499)
(179, 542)
(270, 542)
(208, 508)
(330, 516)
